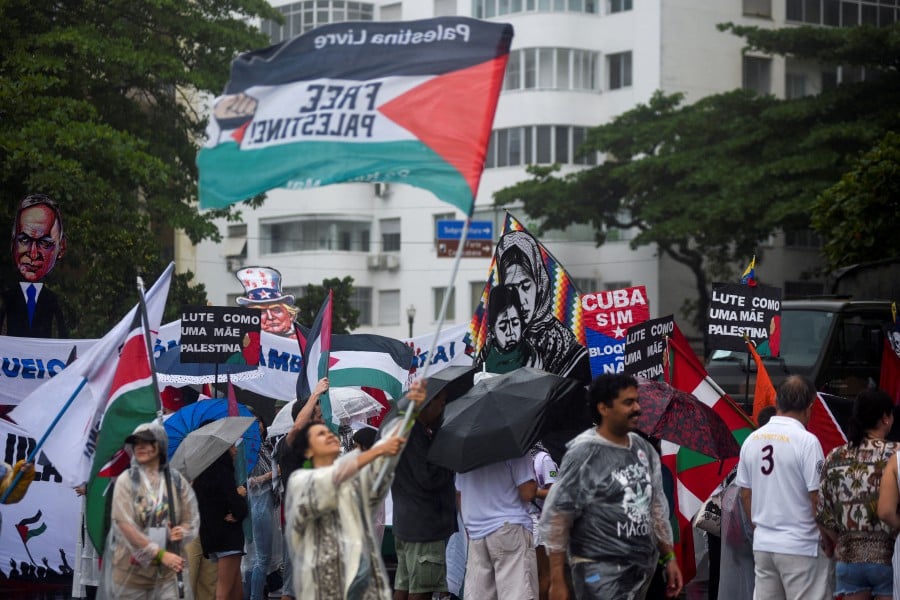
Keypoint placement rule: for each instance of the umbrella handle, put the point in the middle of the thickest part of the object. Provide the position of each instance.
(176, 545)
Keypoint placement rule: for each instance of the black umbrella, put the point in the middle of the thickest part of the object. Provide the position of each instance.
(499, 418)
(455, 380)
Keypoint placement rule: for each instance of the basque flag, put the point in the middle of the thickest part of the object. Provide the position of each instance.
(408, 102)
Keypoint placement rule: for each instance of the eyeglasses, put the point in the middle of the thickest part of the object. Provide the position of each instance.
(26, 241)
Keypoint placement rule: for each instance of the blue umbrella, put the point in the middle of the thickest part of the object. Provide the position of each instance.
(170, 369)
(191, 417)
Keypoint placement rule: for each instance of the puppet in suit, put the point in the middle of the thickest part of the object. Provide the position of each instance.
(29, 309)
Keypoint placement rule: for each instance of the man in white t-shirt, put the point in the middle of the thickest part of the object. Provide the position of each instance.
(778, 474)
(493, 503)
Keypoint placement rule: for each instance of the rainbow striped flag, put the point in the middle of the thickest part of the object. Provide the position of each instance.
(566, 297)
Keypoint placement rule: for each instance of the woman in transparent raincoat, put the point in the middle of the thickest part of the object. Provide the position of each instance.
(143, 559)
(328, 510)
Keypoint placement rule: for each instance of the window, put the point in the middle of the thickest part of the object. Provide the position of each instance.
(361, 300)
(389, 307)
(619, 5)
(476, 288)
(551, 68)
(616, 285)
(586, 285)
(794, 85)
(316, 233)
(485, 9)
(550, 144)
(802, 238)
(619, 68)
(842, 13)
(757, 74)
(300, 17)
(235, 245)
(757, 8)
(392, 12)
(390, 235)
(802, 289)
(438, 294)
(444, 8)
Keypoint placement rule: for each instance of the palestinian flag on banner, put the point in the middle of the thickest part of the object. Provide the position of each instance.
(132, 400)
(26, 532)
(566, 298)
(697, 475)
(408, 102)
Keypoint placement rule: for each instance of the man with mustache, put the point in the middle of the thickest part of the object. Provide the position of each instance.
(29, 309)
(608, 509)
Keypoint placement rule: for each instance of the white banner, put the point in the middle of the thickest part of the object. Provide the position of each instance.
(44, 525)
(26, 363)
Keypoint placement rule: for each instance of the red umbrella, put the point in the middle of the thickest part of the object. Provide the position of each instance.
(678, 417)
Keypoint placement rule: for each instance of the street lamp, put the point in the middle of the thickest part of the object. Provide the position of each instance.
(411, 316)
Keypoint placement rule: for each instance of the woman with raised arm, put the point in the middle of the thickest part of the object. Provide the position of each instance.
(328, 512)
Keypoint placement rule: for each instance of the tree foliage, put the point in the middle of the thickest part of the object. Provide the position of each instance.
(99, 103)
(707, 182)
(344, 317)
(857, 217)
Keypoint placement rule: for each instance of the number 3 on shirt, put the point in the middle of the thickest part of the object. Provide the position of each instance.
(768, 460)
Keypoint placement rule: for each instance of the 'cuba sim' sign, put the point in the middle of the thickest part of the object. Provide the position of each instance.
(606, 316)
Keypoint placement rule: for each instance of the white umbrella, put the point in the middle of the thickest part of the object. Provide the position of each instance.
(201, 447)
(347, 404)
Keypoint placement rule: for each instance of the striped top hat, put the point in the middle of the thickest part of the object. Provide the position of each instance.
(262, 285)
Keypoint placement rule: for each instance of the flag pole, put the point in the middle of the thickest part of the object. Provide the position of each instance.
(167, 474)
(407, 423)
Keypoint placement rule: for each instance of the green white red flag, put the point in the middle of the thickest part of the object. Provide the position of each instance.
(407, 102)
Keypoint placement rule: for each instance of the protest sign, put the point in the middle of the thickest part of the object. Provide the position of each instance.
(736, 310)
(607, 316)
(220, 334)
(645, 345)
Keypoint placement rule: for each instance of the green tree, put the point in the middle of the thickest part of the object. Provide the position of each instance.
(344, 317)
(857, 217)
(99, 103)
(707, 182)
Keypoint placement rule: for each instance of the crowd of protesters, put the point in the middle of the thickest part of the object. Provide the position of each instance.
(795, 524)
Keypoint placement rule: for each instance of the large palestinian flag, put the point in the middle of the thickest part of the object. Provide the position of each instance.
(410, 102)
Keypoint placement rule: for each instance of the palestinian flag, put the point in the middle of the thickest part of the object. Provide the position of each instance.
(316, 358)
(408, 102)
(362, 360)
(132, 400)
(26, 532)
(566, 298)
(696, 475)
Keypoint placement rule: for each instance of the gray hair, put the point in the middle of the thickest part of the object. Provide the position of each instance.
(795, 394)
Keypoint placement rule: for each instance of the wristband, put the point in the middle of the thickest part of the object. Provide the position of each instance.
(665, 558)
(159, 556)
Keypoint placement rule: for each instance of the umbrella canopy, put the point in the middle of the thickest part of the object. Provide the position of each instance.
(454, 380)
(170, 369)
(201, 447)
(182, 422)
(347, 404)
(499, 418)
(678, 417)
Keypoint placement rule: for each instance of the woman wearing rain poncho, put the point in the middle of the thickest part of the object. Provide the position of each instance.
(142, 558)
(328, 512)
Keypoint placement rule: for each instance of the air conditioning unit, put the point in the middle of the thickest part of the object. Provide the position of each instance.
(234, 263)
(373, 262)
(391, 262)
(382, 189)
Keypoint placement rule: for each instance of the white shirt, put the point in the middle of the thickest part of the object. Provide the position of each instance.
(489, 496)
(780, 463)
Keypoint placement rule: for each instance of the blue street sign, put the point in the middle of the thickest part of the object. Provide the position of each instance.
(452, 230)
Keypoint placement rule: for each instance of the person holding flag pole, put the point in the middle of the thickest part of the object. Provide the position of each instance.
(154, 510)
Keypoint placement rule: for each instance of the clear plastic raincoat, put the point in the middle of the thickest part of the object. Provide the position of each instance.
(139, 530)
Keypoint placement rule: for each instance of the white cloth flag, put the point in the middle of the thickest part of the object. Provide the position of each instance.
(70, 445)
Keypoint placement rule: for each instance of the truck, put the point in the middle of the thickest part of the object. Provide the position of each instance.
(837, 343)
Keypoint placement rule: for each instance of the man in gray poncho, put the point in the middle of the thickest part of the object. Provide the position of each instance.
(608, 508)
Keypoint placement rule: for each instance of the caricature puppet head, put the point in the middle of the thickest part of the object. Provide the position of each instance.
(38, 237)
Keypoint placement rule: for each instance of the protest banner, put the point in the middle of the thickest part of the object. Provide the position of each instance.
(220, 334)
(737, 310)
(607, 315)
(645, 346)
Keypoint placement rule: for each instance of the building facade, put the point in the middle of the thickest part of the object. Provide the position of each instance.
(574, 64)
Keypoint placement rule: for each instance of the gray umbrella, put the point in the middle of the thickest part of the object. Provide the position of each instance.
(499, 418)
(201, 447)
